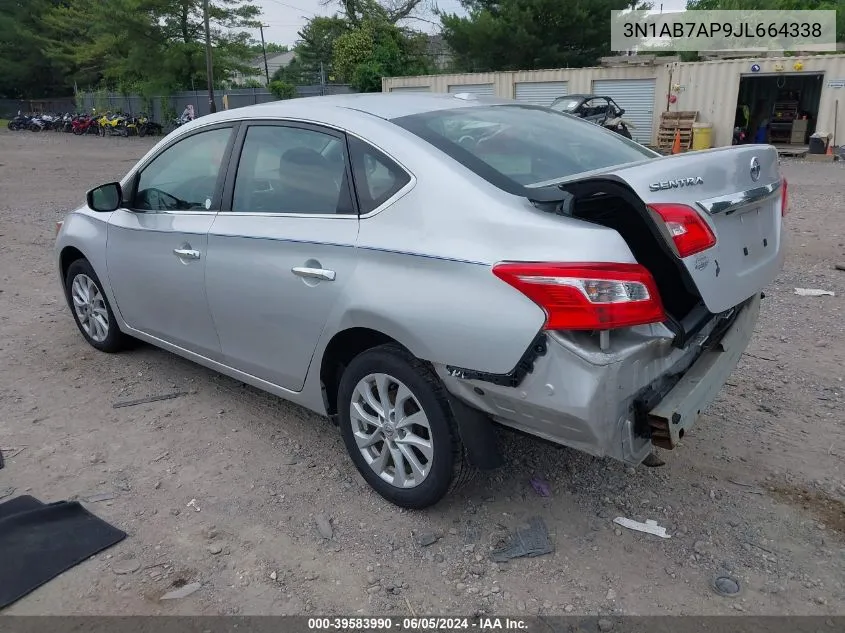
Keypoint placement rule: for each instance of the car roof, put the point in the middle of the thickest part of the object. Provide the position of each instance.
(384, 105)
(582, 96)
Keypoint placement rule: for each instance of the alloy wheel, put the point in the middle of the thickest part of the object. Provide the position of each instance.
(391, 430)
(90, 307)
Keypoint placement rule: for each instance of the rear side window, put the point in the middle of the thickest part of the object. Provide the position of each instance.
(288, 169)
(377, 177)
(513, 146)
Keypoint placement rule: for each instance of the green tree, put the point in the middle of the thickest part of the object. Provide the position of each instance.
(295, 74)
(530, 34)
(282, 90)
(316, 45)
(26, 70)
(377, 49)
(153, 43)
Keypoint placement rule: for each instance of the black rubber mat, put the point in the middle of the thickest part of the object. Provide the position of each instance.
(40, 541)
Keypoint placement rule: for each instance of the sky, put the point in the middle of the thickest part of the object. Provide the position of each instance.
(284, 18)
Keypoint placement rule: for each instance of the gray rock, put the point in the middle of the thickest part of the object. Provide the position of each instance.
(426, 538)
(214, 549)
(700, 547)
(821, 600)
(605, 625)
(324, 526)
(123, 567)
(181, 592)
(569, 608)
(611, 595)
(103, 496)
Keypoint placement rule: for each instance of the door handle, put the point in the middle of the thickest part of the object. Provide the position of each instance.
(313, 273)
(186, 253)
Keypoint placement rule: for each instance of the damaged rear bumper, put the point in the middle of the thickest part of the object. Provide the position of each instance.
(616, 402)
(698, 387)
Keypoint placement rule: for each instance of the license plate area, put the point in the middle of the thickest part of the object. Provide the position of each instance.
(752, 231)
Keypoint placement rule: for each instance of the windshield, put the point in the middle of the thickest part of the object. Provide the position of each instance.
(513, 146)
(565, 105)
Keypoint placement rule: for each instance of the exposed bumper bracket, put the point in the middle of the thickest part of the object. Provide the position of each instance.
(698, 387)
(538, 347)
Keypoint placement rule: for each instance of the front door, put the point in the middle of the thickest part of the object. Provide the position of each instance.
(157, 245)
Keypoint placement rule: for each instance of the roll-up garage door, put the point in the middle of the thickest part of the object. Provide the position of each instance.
(540, 93)
(485, 90)
(636, 96)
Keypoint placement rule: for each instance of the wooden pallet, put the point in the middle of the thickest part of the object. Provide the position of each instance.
(676, 122)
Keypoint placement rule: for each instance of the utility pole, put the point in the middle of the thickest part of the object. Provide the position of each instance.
(209, 69)
(264, 49)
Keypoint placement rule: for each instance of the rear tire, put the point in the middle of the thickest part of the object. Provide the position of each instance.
(91, 310)
(428, 448)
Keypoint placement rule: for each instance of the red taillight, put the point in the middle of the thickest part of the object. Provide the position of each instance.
(587, 296)
(59, 226)
(784, 198)
(688, 229)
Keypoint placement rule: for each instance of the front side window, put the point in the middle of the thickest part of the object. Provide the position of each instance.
(286, 169)
(513, 146)
(184, 176)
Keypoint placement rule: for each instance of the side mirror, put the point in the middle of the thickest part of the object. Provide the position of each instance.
(105, 198)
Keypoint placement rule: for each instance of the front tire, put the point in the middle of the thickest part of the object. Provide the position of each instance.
(91, 309)
(398, 427)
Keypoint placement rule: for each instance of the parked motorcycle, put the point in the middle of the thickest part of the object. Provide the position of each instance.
(85, 124)
(19, 122)
(64, 123)
(148, 127)
(113, 125)
(38, 124)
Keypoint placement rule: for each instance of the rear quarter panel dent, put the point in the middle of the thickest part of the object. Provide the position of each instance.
(443, 311)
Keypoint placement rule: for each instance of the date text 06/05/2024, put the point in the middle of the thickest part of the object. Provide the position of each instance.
(415, 624)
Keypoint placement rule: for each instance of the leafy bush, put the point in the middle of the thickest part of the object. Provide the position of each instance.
(282, 90)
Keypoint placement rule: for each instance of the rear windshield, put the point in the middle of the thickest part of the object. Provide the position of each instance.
(513, 146)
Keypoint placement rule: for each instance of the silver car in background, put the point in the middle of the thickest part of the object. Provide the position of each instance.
(420, 268)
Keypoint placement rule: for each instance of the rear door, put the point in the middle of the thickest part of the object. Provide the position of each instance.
(738, 192)
(283, 248)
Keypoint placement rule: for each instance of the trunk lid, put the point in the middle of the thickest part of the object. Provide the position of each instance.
(737, 192)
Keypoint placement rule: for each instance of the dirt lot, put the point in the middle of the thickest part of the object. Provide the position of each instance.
(756, 489)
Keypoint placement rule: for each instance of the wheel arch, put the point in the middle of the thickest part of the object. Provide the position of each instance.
(67, 256)
(341, 349)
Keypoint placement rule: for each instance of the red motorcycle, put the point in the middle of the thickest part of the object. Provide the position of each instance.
(85, 124)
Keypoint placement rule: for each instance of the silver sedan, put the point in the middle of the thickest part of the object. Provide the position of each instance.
(421, 268)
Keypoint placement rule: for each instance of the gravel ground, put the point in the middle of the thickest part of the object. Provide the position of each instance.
(756, 489)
